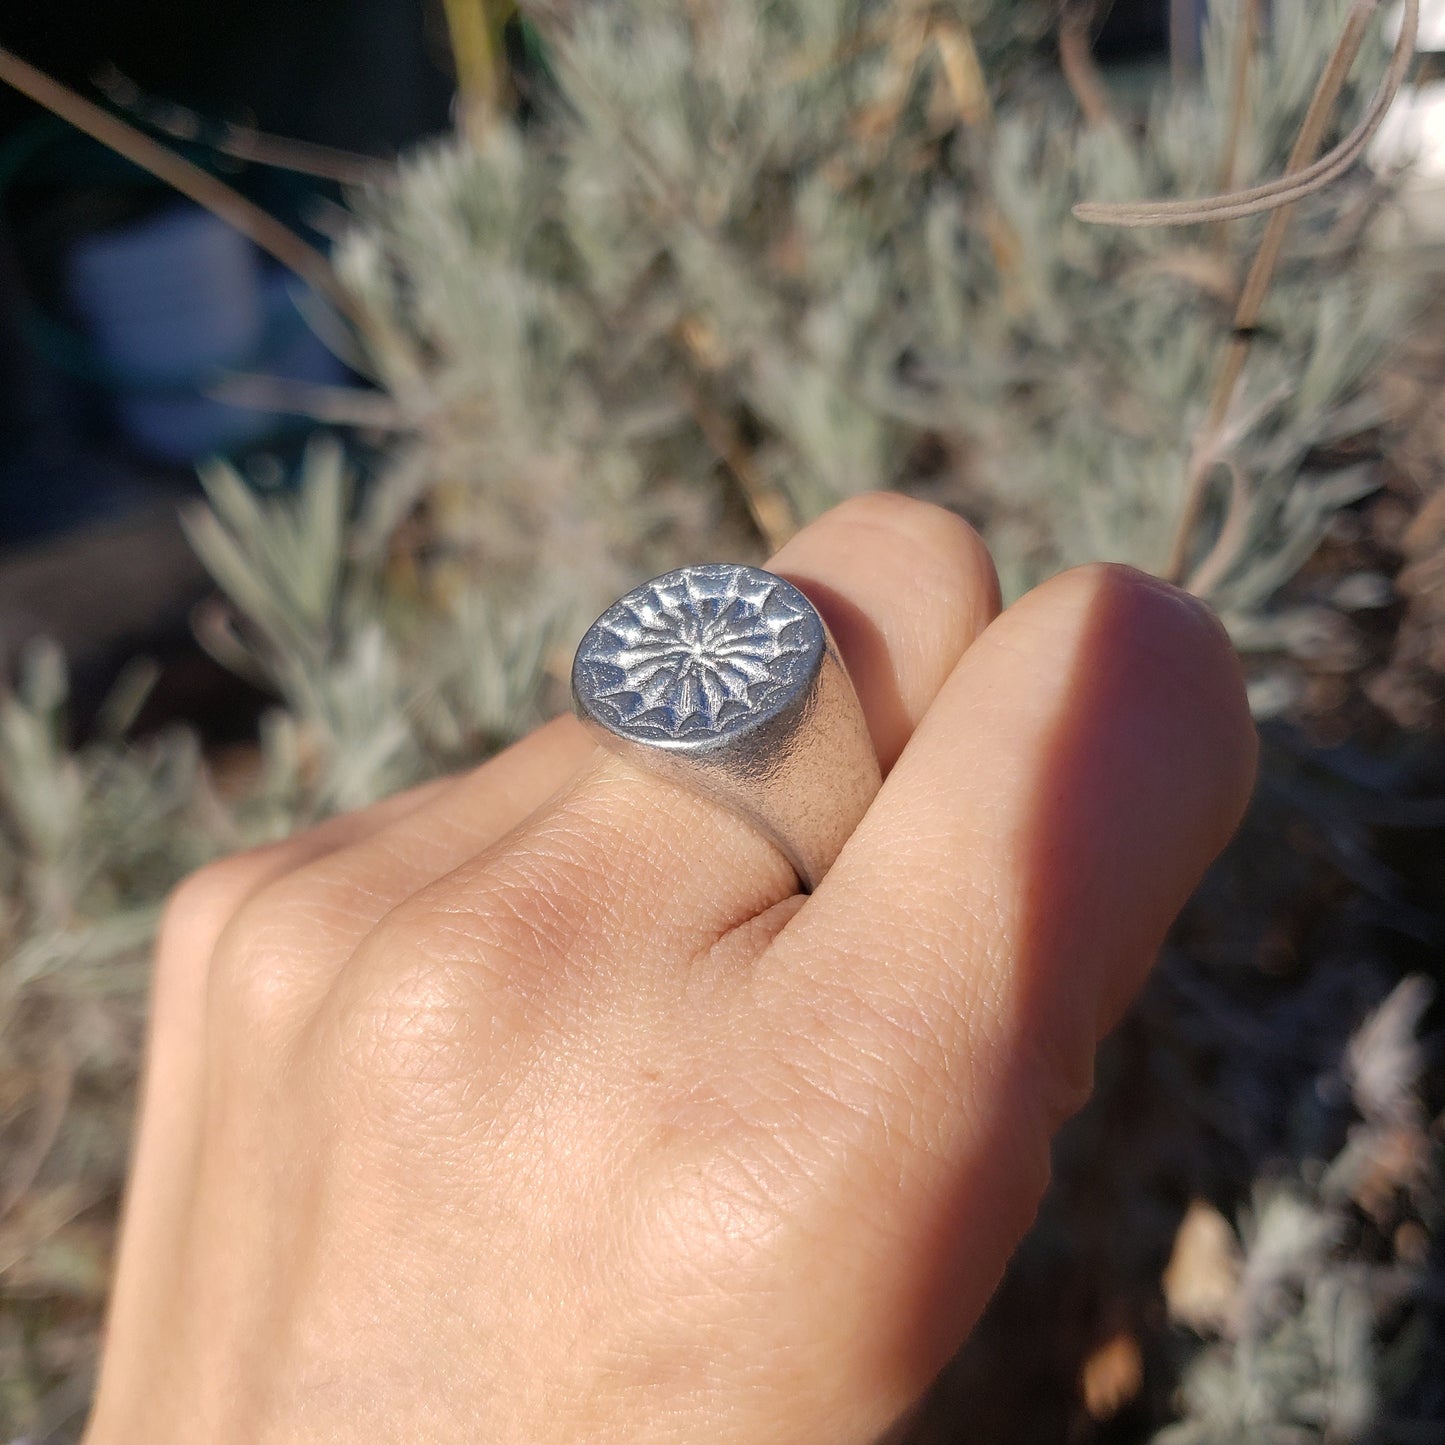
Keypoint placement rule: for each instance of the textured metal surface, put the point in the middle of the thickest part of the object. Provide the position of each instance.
(725, 679)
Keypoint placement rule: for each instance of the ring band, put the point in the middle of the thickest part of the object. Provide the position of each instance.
(726, 680)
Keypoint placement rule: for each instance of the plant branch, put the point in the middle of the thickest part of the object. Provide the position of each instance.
(1076, 60)
(1303, 175)
(1242, 63)
(471, 31)
(258, 226)
(1261, 273)
(1297, 182)
(1233, 533)
(242, 142)
(963, 74)
(767, 508)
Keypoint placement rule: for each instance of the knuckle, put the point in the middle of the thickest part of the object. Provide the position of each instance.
(253, 986)
(195, 917)
(954, 557)
(202, 903)
(416, 1037)
(549, 905)
(262, 960)
(916, 519)
(899, 513)
(439, 996)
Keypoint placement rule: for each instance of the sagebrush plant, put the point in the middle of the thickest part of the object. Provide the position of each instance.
(1324, 1335)
(735, 264)
(793, 243)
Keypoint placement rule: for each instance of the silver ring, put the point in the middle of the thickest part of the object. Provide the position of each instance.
(726, 680)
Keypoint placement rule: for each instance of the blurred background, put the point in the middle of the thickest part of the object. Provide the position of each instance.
(353, 355)
(121, 302)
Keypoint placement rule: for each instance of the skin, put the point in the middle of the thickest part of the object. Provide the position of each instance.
(537, 1105)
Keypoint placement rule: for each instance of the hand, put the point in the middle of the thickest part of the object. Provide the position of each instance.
(537, 1105)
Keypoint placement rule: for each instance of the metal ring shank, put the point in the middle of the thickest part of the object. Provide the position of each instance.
(725, 680)
(804, 779)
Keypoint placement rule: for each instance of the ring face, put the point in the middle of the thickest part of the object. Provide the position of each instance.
(723, 679)
(697, 655)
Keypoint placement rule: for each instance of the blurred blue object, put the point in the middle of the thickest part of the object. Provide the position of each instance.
(170, 302)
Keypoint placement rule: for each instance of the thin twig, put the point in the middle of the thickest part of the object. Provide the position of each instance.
(1233, 533)
(963, 73)
(1261, 274)
(1298, 183)
(770, 512)
(1183, 40)
(1302, 175)
(1076, 60)
(241, 142)
(1246, 31)
(900, 66)
(258, 226)
(1242, 64)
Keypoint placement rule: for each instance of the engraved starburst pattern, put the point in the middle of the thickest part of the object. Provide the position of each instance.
(696, 653)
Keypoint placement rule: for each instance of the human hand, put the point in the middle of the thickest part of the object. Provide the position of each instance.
(537, 1105)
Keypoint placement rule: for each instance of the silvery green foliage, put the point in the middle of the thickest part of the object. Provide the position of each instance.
(535, 460)
(1304, 1366)
(787, 212)
(1322, 1325)
(89, 841)
(382, 684)
(773, 243)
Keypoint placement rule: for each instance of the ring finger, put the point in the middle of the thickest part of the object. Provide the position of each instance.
(627, 865)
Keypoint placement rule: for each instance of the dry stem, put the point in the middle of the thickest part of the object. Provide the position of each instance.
(242, 142)
(190, 180)
(771, 515)
(963, 74)
(1076, 60)
(1242, 63)
(1204, 453)
(471, 32)
(1294, 185)
(1303, 175)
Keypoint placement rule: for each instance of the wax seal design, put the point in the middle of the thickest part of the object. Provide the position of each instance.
(697, 654)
